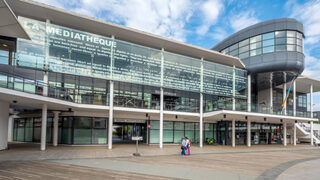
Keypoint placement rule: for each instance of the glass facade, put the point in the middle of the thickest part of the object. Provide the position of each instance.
(267, 43)
(72, 130)
(173, 131)
(69, 51)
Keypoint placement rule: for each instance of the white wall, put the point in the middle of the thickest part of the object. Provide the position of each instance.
(4, 117)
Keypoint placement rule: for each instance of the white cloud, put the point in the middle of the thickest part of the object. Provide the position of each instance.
(210, 11)
(312, 65)
(243, 20)
(309, 14)
(219, 34)
(166, 17)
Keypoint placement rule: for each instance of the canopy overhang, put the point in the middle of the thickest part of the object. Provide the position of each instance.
(303, 84)
(254, 117)
(9, 24)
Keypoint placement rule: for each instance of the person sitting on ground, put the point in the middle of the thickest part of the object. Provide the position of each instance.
(183, 146)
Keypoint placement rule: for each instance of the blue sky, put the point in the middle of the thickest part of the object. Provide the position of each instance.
(204, 22)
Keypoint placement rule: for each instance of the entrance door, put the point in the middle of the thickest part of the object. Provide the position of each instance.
(123, 132)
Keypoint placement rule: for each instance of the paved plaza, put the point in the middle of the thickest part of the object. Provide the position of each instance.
(26, 161)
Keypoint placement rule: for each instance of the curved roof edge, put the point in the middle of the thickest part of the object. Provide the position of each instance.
(58, 16)
(260, 28)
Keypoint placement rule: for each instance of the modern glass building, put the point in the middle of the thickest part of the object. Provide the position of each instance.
(71, 79)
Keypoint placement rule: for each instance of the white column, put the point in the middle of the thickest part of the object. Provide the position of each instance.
(46, 63)
(249, 93)
(271, 95)
(233, 133)
(271, 101)
(201, 119)
(110, 125)
(294, 134)
(285, 133)
(234, 89)
(284, 97)
(249, 133)
(4, 116)
(294, 98)
(44, 127)
(45, 82)
(55, 127)
(10, 128)
(161, 118)
(161, 99)
(311, 101)
(311, 133)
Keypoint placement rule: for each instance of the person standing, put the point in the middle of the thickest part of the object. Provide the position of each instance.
(183, 146)
(188, 143)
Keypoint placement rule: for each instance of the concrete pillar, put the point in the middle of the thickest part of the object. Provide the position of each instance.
(294, 98)
(285, 133)
(110, 125)
(311, 101)
(311, 133)
(233, 133)
(4, 117)
(201, 120)
(10, 128)
(44, 127)
(284, 98)
(294, 134)
(249, 133)
(55, 127)
(46, 84)
(249, 93)
(161, 118)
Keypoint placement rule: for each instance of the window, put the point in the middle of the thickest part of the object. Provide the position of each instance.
(268, 36)
(268, 43)
(280, 34)
(255, 52)
(4, 57)
(233, 47)
(255, 39)
(299, 42)
(268, 49)
(291, 40)
(234, 53)
(244, 55)
(281, 48)
(291, 48)
(255, 45)
(299, 35)
(299, 49)
(243, 49)
(291, 34)
(281, 41)
(244, 43)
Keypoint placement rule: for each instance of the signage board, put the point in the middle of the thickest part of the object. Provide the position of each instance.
(137, 138)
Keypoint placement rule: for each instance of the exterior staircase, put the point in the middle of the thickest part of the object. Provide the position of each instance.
(303, 133)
